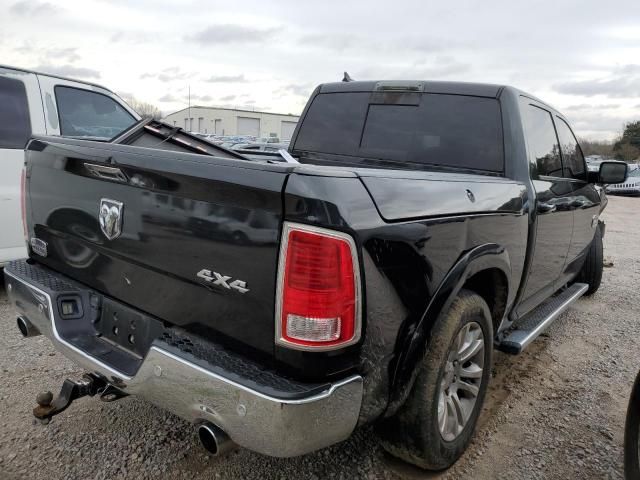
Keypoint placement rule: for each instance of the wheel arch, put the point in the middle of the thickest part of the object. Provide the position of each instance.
(486, 270)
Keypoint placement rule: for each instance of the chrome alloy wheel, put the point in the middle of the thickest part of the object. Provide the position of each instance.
(461, 381)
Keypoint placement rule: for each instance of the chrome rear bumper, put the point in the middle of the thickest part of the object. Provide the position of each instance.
(263, 423)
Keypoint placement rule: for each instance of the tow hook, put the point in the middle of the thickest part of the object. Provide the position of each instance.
(90, 385)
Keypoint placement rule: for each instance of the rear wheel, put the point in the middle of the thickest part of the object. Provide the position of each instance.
(436, 423)
(591, 272)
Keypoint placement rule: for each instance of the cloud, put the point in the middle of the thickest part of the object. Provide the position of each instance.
(598, 123)
(201, 98)
(228, 98)
(303, 90)
(68, 71)
(130, 38)
(335, 41)
(169, 74)
(438, 67)
(226, 34)
(588, 106)
(227, 79)
(169, 98)
(31, 8)
(67, 54)
(623, 82)
(341, 42)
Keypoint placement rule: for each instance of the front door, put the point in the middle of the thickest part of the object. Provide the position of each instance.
(585, 199)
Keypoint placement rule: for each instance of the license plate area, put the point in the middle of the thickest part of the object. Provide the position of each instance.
(127, 328)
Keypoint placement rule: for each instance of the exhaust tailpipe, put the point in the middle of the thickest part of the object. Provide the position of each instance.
(27, 329)
(215, 440)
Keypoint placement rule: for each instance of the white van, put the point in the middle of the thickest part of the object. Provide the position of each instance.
(33, 103)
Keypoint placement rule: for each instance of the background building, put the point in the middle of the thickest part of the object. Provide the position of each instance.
(228, 121)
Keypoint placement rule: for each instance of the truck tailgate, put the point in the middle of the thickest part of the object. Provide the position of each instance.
(199, 235)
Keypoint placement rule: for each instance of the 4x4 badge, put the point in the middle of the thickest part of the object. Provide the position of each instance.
(111, 218)
(214, 278)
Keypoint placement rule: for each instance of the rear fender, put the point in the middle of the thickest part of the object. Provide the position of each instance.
(413, 347)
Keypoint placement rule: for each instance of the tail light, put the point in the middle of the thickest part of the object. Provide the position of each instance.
(318, 295)
(23, 203)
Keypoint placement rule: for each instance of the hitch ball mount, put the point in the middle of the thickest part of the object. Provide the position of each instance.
(90, 385)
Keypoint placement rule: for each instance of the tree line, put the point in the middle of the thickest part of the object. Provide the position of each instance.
(626, 147)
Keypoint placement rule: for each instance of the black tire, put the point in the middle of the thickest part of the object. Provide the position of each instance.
(591, 272)
(632, 435)
(413, 433)
(240, 238)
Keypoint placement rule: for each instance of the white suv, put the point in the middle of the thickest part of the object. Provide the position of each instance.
(32, 103)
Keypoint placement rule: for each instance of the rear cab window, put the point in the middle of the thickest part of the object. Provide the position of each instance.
(15, 125)
(414, 129)
(88, 114)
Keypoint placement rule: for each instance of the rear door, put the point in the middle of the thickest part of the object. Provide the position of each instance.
(554, 210)
(20, 115)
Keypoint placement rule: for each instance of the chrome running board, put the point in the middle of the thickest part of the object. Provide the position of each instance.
(529, 327)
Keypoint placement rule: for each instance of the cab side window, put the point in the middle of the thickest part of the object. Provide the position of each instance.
(542, 141)
(572, 158)
(15, 125)
(90, 114)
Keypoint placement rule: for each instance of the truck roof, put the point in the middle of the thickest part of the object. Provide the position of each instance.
(490, 90)
(428, 86)
(26, 70)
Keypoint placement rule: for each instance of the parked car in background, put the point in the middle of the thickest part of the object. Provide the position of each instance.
(630, 187)
(594, 165)
(260, 147)
(34, 103)
(268, 140)
(423, 225)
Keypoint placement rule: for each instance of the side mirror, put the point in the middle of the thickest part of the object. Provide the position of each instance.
(610, 172)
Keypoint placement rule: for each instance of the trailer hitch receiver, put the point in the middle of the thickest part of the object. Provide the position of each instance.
(71, 390)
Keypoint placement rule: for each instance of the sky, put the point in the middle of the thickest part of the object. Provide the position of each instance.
(582, 57)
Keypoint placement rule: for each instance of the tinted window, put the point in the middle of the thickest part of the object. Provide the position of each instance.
(15, 127)
(89, 114)
(542, 141)
(446, 130)
(572, 158)
(333, 123)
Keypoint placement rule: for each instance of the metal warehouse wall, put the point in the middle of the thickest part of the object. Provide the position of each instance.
(222, 121)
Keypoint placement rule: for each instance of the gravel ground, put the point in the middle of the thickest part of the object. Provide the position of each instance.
(556, 411)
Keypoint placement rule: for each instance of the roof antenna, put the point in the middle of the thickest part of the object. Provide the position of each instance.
(347, 77)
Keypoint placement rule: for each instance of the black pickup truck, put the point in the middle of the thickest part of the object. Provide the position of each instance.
(416, 227)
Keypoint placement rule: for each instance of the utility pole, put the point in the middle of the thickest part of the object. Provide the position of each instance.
(190, 108)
